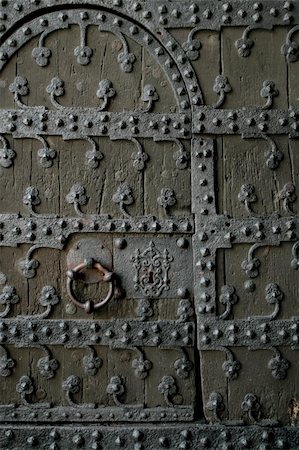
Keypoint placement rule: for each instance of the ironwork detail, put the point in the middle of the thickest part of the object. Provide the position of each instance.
(156, 266)
(169, 436)
(53, 232)
(116, 333)
(152, 268)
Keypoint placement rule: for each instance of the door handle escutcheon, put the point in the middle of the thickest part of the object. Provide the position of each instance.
(72, 274)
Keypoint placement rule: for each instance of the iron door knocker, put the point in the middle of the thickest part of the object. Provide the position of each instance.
(74, 274)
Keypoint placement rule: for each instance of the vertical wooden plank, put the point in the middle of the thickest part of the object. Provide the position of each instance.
(54, 184)
(243, 161)
(163, 365)
(246, 75)
(120, 363)
(211, 363)
(162, 173)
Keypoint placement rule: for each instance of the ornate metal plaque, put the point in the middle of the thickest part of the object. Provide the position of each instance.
(156, 268)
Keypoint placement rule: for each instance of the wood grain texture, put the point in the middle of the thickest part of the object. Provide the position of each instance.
(54, 183)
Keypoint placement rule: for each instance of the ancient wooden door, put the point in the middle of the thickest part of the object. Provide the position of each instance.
(148, 230)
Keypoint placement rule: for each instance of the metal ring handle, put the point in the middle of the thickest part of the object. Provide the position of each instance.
(89, 306)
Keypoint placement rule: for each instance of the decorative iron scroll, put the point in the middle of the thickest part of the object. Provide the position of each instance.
(152, 270)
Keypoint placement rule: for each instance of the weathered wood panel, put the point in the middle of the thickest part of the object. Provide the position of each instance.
(195, 152)
(54, 183)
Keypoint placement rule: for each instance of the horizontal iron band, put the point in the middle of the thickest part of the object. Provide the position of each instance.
(115, 333)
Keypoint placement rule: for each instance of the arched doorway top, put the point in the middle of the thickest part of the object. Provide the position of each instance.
(158, 42)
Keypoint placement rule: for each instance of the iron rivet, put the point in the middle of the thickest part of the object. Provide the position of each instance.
(182, 243)
(183, 292)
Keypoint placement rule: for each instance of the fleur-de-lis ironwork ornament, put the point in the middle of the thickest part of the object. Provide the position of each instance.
(144, 309)
(221, 87)
(92, 362)
(291, 49)
(71, 386)
(251, 406)
(116, 389)
(8, 297)
(185, 310)
(83, 54)
(288, 195)
(215, 405)
(28, 267)
(31, 198)
(56, 89)
(168, 389)
(20, 89)
(269, 91)
(192, 47)
(150, 96)
(94, 156)
(126, 61)
(105, 92)
(141, 365)
(139, 157)
(77, 197)
(45, 154)
(41, 55)
(228, 298)
(47, 365)
(7, 155)
(167, 199)
(124, 197)
(48, 298)
(278, 365)
(274, 296)
(7, 364)
(244, 44)
(231, 366)
(25, 387)
(247, 196)
(183, 366)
